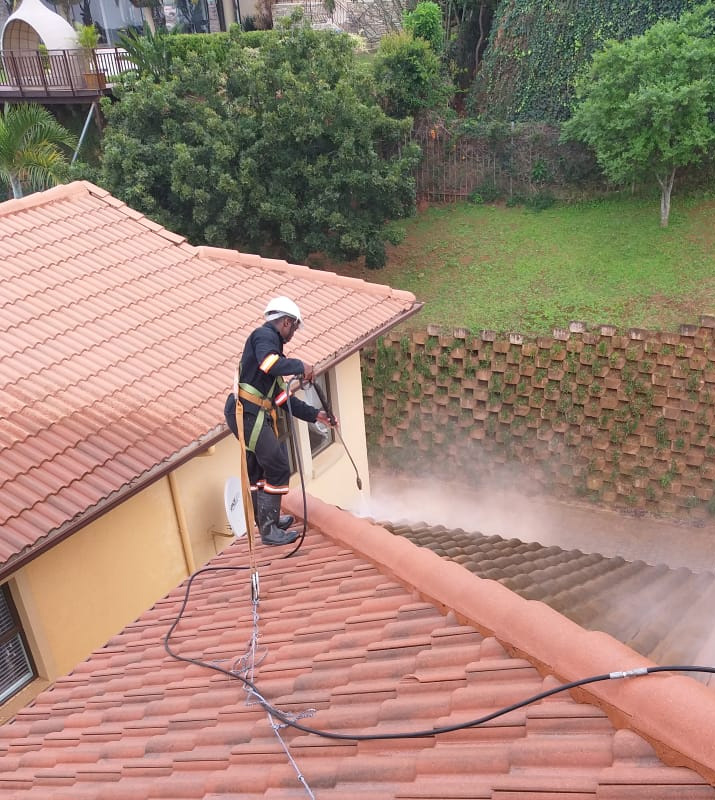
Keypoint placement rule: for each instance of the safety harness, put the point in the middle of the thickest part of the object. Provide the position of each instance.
(251, 395)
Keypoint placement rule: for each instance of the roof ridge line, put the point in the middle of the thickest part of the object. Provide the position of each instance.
(36, 199)
(254, 260)
(138, 216)
(552, 642)
(66, 190)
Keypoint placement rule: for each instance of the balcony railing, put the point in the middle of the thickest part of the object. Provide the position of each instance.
(58, 74)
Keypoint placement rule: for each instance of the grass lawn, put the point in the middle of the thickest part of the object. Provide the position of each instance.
(511, 269)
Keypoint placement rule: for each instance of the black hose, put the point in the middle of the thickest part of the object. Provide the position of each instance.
(287, 719)
(333, 421)
(296, 449)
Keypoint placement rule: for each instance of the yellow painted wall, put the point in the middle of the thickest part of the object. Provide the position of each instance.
(201, 484)
(88, 587)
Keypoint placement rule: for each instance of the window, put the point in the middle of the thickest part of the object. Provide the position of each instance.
(186, 16)
(16, 667)
(321, 436)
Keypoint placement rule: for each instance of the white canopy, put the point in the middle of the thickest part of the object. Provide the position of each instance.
(33, 24)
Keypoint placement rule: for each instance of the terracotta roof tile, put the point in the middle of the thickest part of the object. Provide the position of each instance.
(101, 311)
(661, 613)
(132, 723)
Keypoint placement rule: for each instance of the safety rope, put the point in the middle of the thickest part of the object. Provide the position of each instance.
(276, 729)
(249, 659)
(246, 493)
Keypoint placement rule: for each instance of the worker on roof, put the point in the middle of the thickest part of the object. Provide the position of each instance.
(262, 392)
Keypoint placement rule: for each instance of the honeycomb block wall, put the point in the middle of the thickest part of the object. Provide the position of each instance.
(626, 418)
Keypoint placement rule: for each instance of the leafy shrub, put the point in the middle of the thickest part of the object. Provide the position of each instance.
(540, 172)
(516, 200)
(44, 55)
(181, 44)
(425, 22)
(488, 191)
(408, 77)
(148, 51)
(375, 254)
(255, 38)
(540, 201)
(273, 149)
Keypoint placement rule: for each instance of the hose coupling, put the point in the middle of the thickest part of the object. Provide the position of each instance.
(629, 673)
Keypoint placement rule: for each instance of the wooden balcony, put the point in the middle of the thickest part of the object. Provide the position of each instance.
(60, 76)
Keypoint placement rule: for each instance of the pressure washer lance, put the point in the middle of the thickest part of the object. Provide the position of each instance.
(334, 422)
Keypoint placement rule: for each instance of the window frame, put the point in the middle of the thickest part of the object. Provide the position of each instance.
(322, 442)
(16, 633)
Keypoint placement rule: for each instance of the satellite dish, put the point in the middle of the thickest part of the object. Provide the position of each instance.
(233, 500)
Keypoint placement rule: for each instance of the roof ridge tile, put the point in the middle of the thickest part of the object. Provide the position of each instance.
(36, 199)
(212, 253)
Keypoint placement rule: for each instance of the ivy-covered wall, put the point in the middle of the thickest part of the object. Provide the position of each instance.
(538, 47)
(624, 419)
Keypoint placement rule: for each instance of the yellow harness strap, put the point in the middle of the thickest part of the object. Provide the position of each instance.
(251, 395)
(245, 483)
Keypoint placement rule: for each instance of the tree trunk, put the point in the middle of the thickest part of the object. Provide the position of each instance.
(16, 187)
(666, 188)
(158, 16)
(481, 38)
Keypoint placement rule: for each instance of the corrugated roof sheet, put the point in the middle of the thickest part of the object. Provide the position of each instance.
(118, 343)
(347, 629)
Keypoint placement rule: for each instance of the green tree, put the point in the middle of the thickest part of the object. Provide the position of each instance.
(277, 150)
(30, 148)
(646, 104)
(425, 22)
(408, 76)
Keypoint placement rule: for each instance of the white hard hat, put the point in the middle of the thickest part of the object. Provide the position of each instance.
(282, 307)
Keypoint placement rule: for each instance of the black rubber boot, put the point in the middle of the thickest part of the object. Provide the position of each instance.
(269, 510)
(284, 521)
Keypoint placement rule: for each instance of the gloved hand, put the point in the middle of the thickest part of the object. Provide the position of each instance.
(308, 372)
(325, 419)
